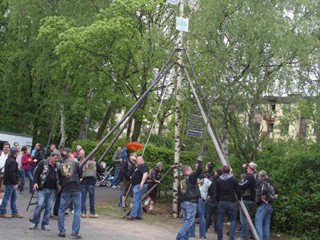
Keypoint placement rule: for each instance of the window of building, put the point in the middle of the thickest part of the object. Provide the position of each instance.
(303, 127)
(273, 105)
(270, 126)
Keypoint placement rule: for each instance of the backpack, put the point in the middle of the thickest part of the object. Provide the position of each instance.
(271, 192)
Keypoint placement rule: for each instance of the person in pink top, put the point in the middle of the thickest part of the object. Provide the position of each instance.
(26, 161)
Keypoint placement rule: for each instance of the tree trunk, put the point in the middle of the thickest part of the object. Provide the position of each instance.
(161, 122)
(129, 128)
(105, 121)
(62, 126)
(177, 134)
(136, 130)
(84, 130)
(138, 122)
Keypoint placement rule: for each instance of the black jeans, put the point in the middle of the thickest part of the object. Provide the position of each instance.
(211, 208)
(57, 204)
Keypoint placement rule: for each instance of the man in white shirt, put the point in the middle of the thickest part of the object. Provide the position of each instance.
(3, 158)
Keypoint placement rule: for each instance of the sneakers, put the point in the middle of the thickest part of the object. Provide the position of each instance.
(5, 216)
(83, 215)
(76, 236)
(16, 215)
(45, 227)
(93, 215)
(114, 186)
(62, 234)
(33, 226)
(130, 218)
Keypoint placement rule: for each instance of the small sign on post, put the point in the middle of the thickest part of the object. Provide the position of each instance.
(174, 2)
(182, 24)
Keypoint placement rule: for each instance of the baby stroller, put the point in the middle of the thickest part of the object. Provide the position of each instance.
(105, 178)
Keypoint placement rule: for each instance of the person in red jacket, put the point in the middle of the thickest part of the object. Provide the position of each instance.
(26, 161)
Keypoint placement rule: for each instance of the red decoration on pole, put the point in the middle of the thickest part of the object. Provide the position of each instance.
(133, 146)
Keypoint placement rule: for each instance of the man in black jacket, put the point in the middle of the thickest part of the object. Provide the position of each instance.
(127, 170)
(189, 194)
(248, 189)
(45, 182)
(227, 194)
(69, 173)
(10, 180)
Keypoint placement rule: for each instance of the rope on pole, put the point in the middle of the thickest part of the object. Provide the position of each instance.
(155, 119)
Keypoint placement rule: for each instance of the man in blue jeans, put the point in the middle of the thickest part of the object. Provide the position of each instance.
(45, 183)
(69, 174)
(227, 194)
(10, 180)
(89, 177)
(204, 184)
(117, 159)
(265, 202)
(140, 186)
(189, 195)
(248, 189)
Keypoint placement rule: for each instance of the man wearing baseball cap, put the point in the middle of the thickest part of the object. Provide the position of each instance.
(248, 188)
(10, 180)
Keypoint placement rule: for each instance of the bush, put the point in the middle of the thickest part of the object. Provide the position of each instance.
(295, 169)
(153, 154)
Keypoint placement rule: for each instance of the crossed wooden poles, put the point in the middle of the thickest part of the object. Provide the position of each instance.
(203, 107)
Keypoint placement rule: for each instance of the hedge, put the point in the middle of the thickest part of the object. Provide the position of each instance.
(293, 166)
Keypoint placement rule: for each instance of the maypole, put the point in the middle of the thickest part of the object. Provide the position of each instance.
(177, 135)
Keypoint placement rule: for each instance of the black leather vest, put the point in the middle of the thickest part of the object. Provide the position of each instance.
(68, 172)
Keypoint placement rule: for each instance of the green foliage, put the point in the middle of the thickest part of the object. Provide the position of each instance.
(152, 156)
(159, 140)
(295, 169)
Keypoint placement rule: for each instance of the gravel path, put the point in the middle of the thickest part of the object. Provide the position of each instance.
(103, 227)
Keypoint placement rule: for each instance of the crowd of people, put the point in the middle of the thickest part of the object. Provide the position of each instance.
(62, 181)
(217, 193)
(61, 185)
(57, 179)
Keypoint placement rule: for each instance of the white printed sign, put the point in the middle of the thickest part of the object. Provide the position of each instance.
(173, 2)
(182, 24)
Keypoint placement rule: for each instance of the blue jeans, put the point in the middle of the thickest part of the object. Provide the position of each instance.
(201, 209)
(226, 209)
(9, 194)
(244, 224)
(262, 221)
(32, 168)
(116, 177)
(66, 198)
(189, 213)
(45, 198)
(91, 190)
(120, 195)
(136, 210)
(23, 174)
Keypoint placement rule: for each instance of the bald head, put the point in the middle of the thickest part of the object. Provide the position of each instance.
(140, 160)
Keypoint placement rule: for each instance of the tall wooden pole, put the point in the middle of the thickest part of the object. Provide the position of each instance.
(177, 134)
